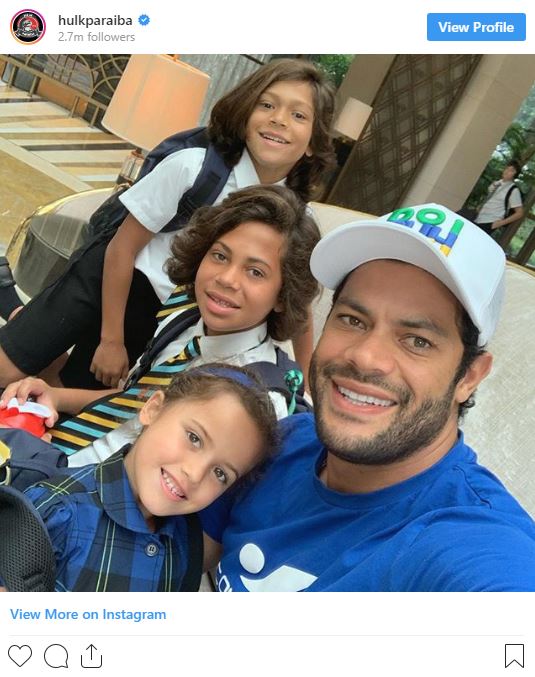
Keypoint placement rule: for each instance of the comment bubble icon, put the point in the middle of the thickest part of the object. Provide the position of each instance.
(56, 656)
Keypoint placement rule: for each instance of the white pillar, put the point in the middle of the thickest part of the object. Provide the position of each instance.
(486, 108)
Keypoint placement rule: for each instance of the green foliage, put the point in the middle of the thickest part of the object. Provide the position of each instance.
(334, 65)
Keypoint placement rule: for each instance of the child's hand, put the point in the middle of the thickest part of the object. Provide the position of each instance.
(110, 363)
(38, 390)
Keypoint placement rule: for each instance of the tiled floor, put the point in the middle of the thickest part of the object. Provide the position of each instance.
(46, 154)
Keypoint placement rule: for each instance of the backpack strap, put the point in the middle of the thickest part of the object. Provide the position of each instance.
(191, 138)
(158, 342)
(209, 183)
(192, 577)
(506, 201)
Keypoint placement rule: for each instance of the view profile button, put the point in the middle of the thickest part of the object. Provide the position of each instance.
(476, 27)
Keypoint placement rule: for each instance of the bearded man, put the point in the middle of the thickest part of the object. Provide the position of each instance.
(378, 491)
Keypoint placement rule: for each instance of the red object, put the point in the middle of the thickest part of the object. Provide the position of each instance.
(32, 423)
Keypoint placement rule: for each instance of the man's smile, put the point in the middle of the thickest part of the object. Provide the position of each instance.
(367, 399)
(360, 398)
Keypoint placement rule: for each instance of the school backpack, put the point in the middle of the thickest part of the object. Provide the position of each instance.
(509, 211)
(209, 183)
(27, 560)
(26, 459)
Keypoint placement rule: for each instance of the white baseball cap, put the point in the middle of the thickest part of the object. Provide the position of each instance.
(458, 253)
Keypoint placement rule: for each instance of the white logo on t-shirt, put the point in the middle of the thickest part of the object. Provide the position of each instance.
(283, 579)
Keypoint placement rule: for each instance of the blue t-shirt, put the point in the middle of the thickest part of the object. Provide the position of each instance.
(100, 537)
(453, 527)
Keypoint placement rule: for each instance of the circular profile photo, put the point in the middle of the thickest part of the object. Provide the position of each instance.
(27, 26)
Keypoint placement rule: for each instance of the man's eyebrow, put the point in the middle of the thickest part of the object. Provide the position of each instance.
(415, 323)
(425, 323)
(351, 303)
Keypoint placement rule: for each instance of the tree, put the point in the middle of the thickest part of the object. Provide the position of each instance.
(335, 65)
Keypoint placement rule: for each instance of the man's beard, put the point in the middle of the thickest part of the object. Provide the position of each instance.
(410, 431)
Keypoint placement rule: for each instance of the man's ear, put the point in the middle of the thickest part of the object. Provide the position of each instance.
(151, 408)
(476, 372)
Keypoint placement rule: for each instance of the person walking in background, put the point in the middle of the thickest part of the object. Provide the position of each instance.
(504, 201)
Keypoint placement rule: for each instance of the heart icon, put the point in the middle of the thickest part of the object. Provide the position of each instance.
(19, 654)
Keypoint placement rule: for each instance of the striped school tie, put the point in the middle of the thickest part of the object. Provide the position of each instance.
(110, 412)
(181, 298)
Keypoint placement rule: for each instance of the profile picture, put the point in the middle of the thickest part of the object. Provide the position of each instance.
(28, 26)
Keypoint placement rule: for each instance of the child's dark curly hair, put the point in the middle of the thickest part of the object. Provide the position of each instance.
(278, 207)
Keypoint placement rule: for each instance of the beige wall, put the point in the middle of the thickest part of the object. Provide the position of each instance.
(488, 105)
(364, 77)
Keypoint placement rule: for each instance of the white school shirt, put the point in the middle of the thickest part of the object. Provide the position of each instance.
(494, 207)
(239, 349)
(153, 201)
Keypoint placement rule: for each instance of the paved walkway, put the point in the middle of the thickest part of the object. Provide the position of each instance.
(45, 154)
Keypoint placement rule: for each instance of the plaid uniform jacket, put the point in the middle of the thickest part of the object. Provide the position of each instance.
(100, 538)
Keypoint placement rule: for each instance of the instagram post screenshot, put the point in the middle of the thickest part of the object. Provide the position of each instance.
(267, 319)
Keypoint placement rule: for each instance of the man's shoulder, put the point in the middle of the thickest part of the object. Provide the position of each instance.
(469, 549)
(479, 486)
(299, 447)
(298, 432)
(516, 192)
(475, 537)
